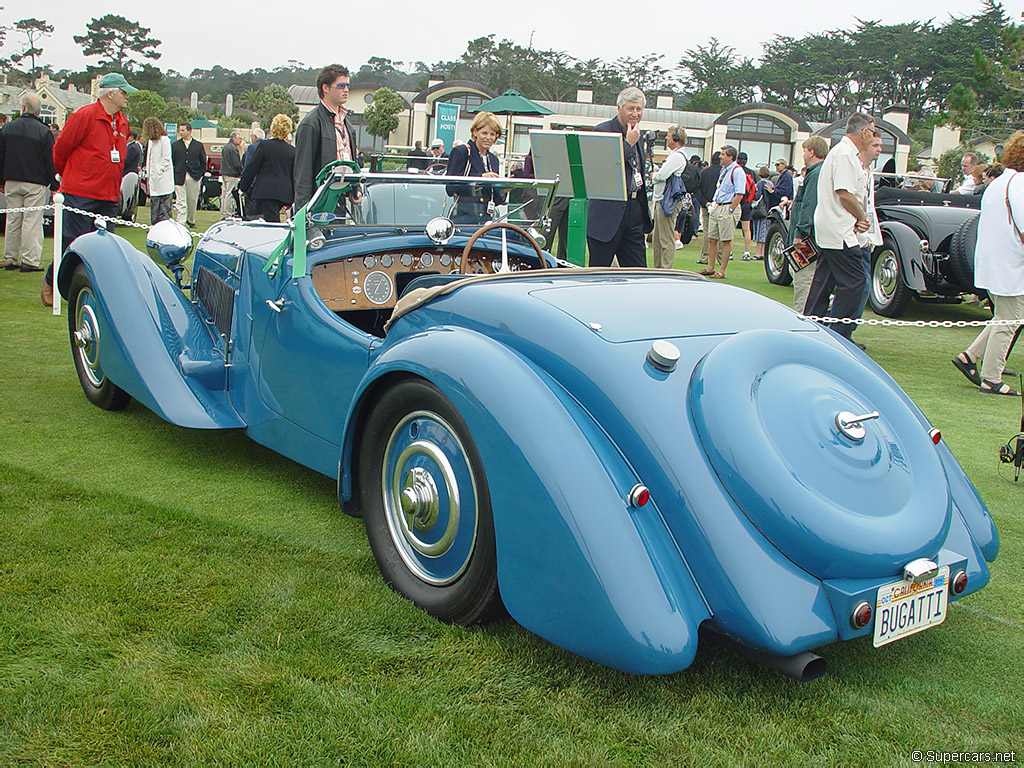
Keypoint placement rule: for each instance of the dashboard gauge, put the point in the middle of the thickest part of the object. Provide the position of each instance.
(386, 261)
(370, 261)
(406, 259)
(445, 259)
(377, 287)
(426, 260)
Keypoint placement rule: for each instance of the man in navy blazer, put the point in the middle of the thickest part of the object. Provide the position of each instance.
(618, 227)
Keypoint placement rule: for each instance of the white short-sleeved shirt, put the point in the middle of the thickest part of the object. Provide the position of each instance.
(999, 255)
(841, 169)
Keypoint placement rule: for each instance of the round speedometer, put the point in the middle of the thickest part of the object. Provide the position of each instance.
(377, 287)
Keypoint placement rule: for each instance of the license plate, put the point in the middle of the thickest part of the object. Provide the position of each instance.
(903, 608)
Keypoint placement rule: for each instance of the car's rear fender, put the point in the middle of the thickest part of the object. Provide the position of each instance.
(577, 564)
(157, 346)
(912, 261)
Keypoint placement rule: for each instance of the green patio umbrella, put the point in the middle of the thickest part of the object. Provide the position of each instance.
(511, 102)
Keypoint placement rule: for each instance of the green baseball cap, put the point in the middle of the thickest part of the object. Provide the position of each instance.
(116, 80)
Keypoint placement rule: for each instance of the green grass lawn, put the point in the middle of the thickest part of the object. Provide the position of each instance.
(180, 597)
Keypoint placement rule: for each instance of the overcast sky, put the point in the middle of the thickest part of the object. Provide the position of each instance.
(241, 36)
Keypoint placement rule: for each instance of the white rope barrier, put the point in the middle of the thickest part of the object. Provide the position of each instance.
(58, 224)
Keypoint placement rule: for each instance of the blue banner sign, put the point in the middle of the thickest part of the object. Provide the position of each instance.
(446, 116)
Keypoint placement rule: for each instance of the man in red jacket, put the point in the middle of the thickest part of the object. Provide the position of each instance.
(89, 155)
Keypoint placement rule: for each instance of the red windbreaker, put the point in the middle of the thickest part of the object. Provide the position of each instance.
(81, 153)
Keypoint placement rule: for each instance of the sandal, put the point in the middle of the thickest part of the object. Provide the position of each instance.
(706, 272)
(997, 388)
(718, 276)
(967, 368)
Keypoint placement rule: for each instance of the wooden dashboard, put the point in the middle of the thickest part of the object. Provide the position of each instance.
(373, 281)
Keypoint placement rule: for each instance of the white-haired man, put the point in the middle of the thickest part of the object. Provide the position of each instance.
(89, 156)
(614, 227)
(26, 174)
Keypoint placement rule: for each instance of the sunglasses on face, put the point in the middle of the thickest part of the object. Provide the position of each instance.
(340, 86)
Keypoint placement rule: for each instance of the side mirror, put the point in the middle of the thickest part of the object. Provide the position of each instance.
(440, 230)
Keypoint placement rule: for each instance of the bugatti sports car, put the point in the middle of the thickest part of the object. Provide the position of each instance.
(624, 460)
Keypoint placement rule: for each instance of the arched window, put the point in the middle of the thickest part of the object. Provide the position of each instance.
(762, 137)
(48, 114)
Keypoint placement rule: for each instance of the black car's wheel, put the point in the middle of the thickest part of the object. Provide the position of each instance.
(426, 505)
(776, 267)
(961, 254)
(84, 330)
(889, 295)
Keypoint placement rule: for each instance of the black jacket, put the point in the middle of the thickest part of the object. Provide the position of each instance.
(191, 160)
(604, 216)
(268, 176)
(316, 145)
(132, 158)
(26, 152)
(707, 185)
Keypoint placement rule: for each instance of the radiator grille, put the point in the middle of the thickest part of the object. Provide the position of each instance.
(217, 297)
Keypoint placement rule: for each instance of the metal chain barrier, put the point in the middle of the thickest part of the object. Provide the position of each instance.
(845, 320)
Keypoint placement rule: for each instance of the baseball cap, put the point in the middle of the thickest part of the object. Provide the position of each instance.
(437, 143)
(116, 80)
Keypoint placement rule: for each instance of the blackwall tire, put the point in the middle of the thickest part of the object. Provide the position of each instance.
(426, 505)
(87, 338)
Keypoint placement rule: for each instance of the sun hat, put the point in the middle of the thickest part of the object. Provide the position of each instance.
(437, 143)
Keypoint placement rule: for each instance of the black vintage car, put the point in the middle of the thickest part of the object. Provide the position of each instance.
(927, 250)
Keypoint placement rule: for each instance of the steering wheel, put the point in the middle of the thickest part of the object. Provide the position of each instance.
(436, 169)
(464, 262)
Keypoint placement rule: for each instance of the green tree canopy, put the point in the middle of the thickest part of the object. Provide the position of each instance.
(382, 115)
(119, 41)
(34, 30)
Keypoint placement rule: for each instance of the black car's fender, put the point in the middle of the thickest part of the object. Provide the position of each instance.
(908, 244)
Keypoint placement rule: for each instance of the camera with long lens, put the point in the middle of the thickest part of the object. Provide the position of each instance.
(1013, 451)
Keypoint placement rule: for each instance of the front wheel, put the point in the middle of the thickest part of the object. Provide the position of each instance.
(889, 295)
(86, 340)
(426, 505)
(776, 267)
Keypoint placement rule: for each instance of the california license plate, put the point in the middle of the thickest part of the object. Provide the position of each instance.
(903, 608)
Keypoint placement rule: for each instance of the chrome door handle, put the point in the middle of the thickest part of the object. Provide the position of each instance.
(277, 306)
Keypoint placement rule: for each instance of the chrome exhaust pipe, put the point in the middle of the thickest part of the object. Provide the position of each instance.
(804, 667)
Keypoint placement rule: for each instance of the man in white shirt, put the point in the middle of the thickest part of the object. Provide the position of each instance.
(967, 163)
(840, 221)
(664, 239)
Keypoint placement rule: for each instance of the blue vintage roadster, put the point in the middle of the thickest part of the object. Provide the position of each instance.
(618, 458)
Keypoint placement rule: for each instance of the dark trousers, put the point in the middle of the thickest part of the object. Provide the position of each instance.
(628, 242)
(840, 271)
(268, 210)
(559, 223)
(75, 224)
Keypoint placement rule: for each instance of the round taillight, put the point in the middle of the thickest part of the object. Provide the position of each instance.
(639, 495)
(958, 583)
(935, 435)
(861, 615)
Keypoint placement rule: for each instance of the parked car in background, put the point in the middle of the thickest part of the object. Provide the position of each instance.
(927, 251)
(624, 460)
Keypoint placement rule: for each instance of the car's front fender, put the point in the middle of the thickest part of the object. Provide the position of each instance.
(908, 245)
(577, 564)
(156, 347)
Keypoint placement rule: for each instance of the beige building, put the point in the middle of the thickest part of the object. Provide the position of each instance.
(766, 132)
(56, 102)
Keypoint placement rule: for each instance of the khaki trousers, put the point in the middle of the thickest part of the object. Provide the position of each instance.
(994, 340)
(802, 285)
(664, 240)
(704, 220)
(227, 198)
(23, 237)
(185, 198)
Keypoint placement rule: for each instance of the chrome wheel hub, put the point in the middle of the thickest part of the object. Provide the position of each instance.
(419, 499)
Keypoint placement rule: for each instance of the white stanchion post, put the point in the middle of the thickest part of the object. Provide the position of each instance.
(58, 238)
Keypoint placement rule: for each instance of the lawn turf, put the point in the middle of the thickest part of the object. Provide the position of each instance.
(174, 596)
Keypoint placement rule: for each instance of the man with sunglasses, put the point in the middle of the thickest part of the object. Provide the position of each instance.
(840, 226)
(324, 134)
(89, 156)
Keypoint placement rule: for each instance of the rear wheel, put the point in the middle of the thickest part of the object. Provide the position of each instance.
(889, 295)
(427, 507)
(86, 339)
(776, 267)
